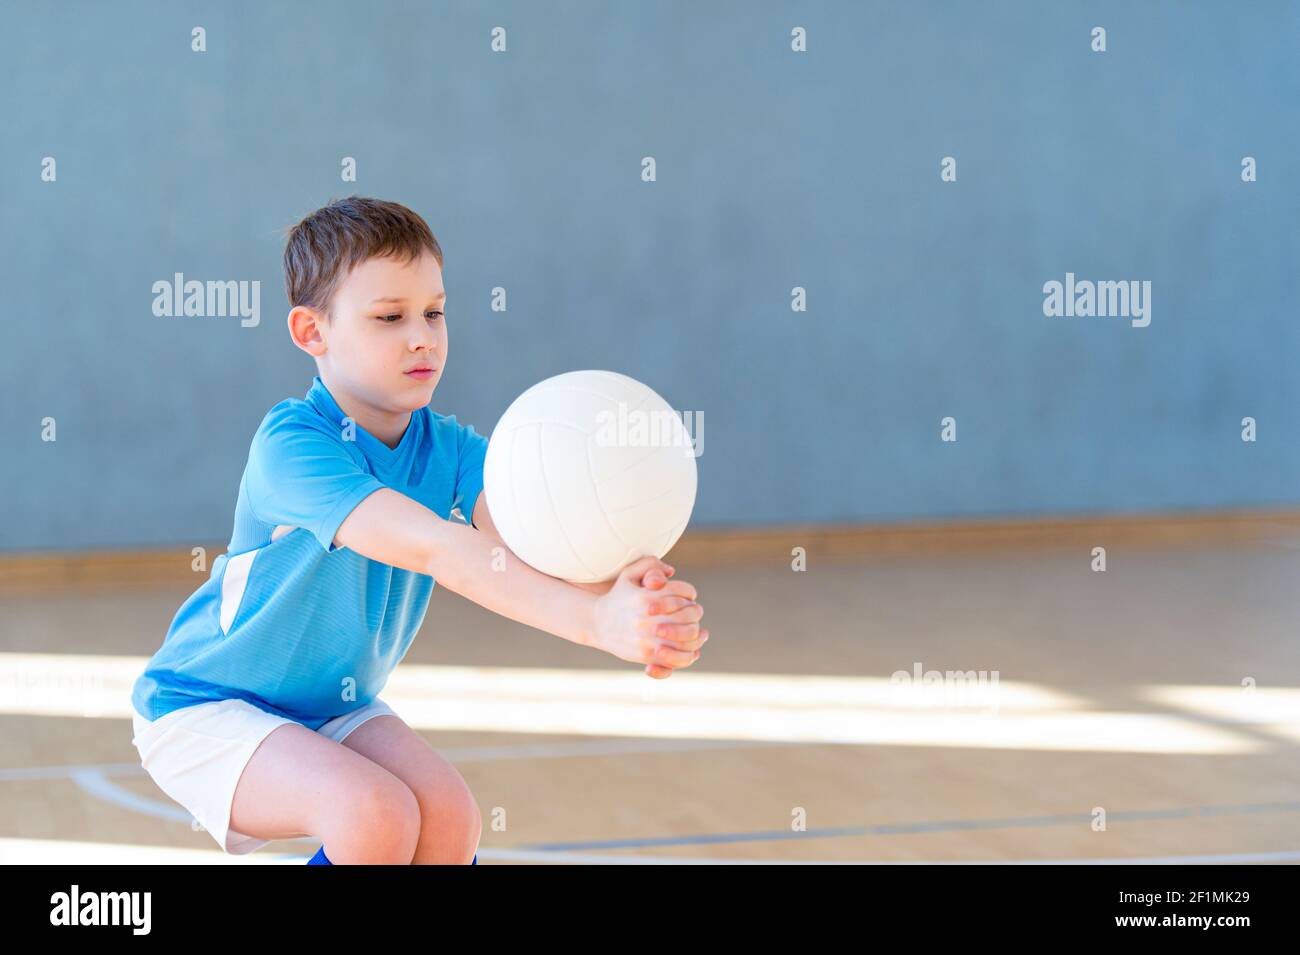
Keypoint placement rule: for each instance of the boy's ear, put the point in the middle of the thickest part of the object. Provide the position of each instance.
(305, 325)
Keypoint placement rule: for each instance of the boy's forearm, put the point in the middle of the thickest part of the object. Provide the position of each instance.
(464, 560)
(394, 529)
(485, 525)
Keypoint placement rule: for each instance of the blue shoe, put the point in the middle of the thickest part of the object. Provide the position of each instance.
(319, 858)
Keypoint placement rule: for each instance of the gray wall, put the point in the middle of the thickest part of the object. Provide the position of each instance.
(775, 169)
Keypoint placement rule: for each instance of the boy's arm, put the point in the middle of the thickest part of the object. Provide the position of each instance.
(654, 578)
(483, 521)
(394, 529)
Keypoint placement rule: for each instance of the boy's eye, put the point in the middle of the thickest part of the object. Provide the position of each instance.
(390, 319)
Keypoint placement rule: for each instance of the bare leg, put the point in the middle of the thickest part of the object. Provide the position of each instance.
(301, 783)
(450, 823)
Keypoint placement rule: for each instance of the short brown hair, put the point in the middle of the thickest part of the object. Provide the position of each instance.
(326, 245)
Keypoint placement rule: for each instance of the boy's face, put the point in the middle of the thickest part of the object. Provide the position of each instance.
(387, 320)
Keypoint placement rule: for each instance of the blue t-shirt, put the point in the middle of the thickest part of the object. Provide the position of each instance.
(287, 620)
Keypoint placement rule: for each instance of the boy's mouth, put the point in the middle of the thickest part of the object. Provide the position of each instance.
(421, 372)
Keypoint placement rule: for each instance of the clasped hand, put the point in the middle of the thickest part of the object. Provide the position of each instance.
(643, 617)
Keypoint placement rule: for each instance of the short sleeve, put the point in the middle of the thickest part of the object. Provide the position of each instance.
(471, 451)
(303, 476)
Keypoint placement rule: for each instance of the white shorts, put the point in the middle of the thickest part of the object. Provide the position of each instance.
(196, 755)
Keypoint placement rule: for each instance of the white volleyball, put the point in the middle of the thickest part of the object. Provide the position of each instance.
(588, 471)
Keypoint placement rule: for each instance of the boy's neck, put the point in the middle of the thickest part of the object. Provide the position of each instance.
(387, 427)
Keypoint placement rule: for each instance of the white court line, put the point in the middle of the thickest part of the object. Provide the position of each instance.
(93, 779)
(614, 747)
(536, 855)
(21, 773)
(462, 754)
(98, 785)
(59, 852)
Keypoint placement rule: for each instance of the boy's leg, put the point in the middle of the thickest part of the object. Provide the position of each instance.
(450, 819)
(300, 783)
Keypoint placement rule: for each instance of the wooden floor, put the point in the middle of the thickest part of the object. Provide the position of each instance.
(1162, 695)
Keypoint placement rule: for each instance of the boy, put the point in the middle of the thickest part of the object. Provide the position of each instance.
(260, 713)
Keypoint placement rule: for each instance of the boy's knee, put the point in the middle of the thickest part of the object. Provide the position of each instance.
(450, 831)
(384, 814)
